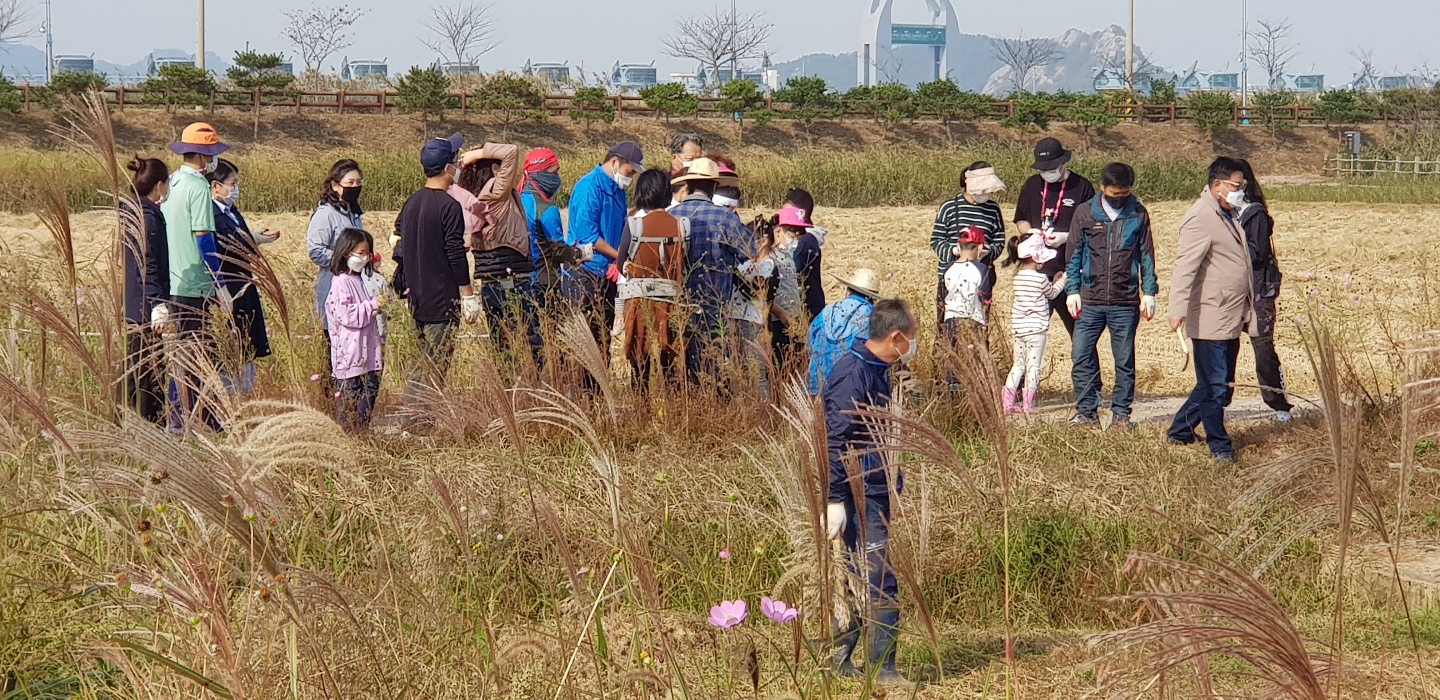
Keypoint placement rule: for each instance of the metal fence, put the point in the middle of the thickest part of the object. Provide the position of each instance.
(1348, 165)
(383, 102)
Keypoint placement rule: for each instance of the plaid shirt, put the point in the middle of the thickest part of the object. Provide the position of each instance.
(719, 242)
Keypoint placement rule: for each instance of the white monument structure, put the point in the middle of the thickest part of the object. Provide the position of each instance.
(878, 35)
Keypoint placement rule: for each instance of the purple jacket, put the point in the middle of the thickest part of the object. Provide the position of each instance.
(354, 333)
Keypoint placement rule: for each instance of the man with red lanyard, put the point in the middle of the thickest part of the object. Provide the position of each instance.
(1046, 205)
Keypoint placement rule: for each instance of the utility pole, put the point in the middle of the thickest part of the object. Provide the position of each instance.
(1130, 50)
(1244, 54)
(49, 44)
(200, 55)
(734, 28)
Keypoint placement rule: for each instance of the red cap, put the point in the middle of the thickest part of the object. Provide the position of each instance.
(971, 234)
(540, 159)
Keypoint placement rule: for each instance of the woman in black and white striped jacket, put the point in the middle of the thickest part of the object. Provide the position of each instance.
(974, 206)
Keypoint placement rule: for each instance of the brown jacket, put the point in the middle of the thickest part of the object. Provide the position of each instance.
(1212, 288)
(506, 226)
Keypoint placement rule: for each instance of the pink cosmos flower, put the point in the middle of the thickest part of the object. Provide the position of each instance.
(315, 377)
(778, 611)
(729, 613)
(725, 554)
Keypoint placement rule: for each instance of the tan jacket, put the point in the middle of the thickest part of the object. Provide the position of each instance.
(1212, 288)
(506, 226)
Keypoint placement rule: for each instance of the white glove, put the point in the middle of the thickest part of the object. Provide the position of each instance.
(470, 308)
(834, 520)
(587, 252)
(1055, 239)
(265, 237)
(955, 251)
(1072, 302)
(160, 319)
(1147, 307)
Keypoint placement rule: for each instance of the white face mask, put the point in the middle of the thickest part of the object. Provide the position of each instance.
(980, 198)
(909, 355)
(358, 263)
(1236, 199)
(1053, 176)
(234, 196)
(210, 166)
(687, 163)
(622, 180)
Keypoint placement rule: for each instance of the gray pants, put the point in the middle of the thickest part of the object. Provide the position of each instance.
(437, 348)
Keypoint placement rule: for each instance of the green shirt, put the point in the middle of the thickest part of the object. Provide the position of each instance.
(188, 212)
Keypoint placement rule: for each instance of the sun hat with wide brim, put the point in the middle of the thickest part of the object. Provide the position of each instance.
(983, 181)
(700, 169)
(199, 138)
(728, 177)
(862, 280)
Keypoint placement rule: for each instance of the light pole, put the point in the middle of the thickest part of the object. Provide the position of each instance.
(200, 55)
(1244, 54)
(1130, 51)
(734, 28)
(49, 44)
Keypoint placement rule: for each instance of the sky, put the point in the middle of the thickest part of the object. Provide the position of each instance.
(595, 34)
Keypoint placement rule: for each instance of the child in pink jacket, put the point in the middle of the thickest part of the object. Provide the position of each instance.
(353, 316)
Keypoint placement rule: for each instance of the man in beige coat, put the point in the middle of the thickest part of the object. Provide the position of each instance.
(1211, 297)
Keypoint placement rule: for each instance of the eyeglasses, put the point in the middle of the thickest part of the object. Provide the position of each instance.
(1237, 185)
(352, 183)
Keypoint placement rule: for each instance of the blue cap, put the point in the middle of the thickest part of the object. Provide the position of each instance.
(439, 153)
(630, 152)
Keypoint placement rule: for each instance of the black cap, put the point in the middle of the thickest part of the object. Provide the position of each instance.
(439, 153)
(630, 152)
(1050, 154)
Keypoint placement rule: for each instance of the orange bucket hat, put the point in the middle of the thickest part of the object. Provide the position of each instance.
(199, 138)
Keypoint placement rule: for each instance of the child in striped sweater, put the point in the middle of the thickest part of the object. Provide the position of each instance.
(1029, 319)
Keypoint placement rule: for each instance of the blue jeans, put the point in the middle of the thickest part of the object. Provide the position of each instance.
(867, 537)
(1214, 386)
(357, 401)
(1094, 320)
(512, 313)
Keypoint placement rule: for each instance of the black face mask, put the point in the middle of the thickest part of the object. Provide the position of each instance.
(1117, 202)
(351, 195)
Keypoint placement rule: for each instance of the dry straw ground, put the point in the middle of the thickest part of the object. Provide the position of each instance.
(460, 566)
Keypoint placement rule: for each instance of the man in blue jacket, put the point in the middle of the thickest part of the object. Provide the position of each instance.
(597, 223)
(861, 379)
(1109, 284)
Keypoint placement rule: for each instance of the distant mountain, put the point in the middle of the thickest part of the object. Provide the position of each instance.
(21, 62)
(979, 70)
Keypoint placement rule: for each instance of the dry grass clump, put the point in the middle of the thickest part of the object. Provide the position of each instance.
(548, 541)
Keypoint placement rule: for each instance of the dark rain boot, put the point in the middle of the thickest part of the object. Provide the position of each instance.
(845, 642)
(884, 640)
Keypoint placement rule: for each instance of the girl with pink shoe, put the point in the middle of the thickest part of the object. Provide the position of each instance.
(1029, 319)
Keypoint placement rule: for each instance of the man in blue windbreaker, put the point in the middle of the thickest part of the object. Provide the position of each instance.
(597, 224)
(858, 507)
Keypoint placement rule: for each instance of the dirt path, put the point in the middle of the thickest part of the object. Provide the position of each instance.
(1158, 410)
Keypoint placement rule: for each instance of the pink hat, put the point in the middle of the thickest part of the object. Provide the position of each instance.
(794, 217)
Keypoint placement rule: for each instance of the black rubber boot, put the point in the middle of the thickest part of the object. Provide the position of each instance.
(845, 642)
(884, 640)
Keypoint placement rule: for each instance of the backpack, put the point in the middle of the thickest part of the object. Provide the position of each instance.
(662, 286)
(849, 320)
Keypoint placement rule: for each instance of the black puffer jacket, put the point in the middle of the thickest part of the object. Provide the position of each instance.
(1259, 229)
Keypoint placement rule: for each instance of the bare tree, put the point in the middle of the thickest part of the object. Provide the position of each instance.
(1144, 67)
(462, 32)
(718, 38)
(1273, 47)
(1023, 55)
(1367, 75)
(319, 32)
(13, 20)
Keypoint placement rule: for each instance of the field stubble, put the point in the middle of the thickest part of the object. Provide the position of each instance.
(464, 568)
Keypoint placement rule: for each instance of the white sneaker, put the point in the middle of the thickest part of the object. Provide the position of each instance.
(1283, 417)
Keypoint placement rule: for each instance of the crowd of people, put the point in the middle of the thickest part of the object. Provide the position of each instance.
(692, 292)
